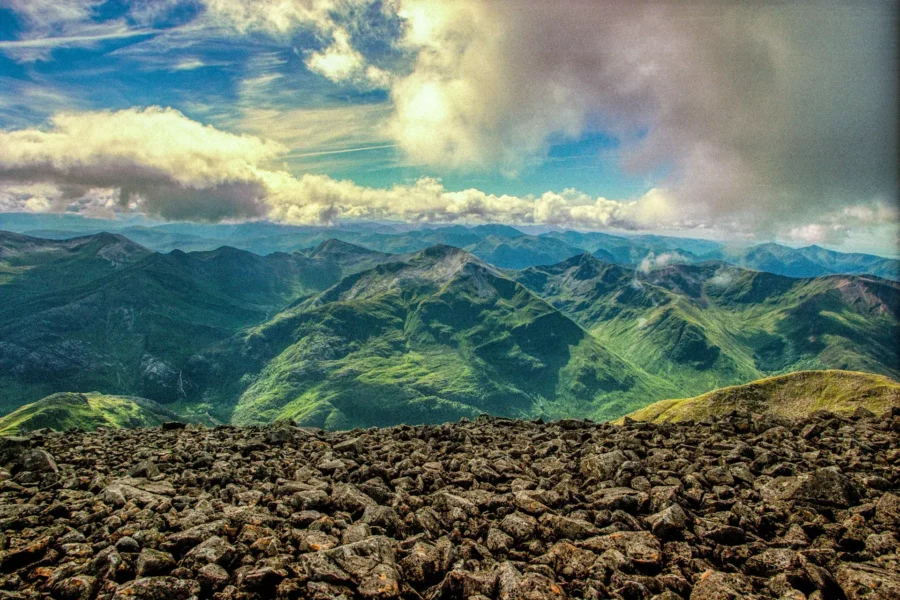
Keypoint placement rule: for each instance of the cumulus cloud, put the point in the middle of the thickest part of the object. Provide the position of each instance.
(160, 162)
(341, 62)
(758, 112)
(173, 166)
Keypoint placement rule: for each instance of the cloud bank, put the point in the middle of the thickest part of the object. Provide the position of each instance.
(755, 113)
(160, 162)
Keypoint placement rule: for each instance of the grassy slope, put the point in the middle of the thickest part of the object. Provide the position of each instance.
(707, 326)
(793, 395)
(87, 411)
(135, 328)
(436, 338)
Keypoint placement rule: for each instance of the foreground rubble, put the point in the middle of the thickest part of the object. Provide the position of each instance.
(742, 507)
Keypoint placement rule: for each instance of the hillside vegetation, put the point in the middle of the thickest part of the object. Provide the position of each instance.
(795, 396)
(338, 335)
(85, 411)
(707, 326)
(434, 338)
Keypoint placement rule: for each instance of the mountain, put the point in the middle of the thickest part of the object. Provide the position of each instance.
(32, 266)
(85, 411)
(338, 335)
(436, 337)
(710, 325)
(812, 261)
(134, 328)
(500, 245)
(795, 395)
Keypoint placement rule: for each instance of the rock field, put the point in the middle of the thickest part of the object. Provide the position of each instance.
(742, 507)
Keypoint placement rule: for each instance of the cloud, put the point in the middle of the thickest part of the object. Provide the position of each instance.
(340, 62)
(758, 112)
(50, 24)
(655, 261)
(160, 162)
(722, 278)
(165, 163)
(816, 233)
(275, 17)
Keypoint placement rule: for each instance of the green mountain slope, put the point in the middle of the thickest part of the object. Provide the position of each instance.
(812, 261)
(86, 411)
(707, 326)
(436, 337)
(32, 266)
(794, 395)
(135, 330)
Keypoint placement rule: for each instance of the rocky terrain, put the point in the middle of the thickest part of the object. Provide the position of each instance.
(742, 506)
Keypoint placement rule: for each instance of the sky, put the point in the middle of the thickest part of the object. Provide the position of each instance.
(746, 121)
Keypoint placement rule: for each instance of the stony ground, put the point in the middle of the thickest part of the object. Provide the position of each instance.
(743, 507)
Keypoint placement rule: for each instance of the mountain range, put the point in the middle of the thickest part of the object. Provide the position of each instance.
(341, 336)
(500, 245)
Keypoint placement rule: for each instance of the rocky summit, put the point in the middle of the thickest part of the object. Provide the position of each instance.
(738, 506)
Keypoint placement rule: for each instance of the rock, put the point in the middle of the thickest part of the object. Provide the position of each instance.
(127, 544)
(826, 486)
(144, 468)
(640, 547)
(487, 509)
(212, 577)
(173, 425)
(155, 588)
(153, 562)
(715, 585)
(865, 582)
(719, 533)
(625, 499)
(80, 587)
(568, 528)
(519, 526)
(668, 523)
(498, 541)
(887, 510)
(771, 562)
(38, 460)
(212, 550)
(347, 497)
(602, 466)
(352, 446)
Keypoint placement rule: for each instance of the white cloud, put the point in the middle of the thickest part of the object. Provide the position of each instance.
(276, 17)
(175, 166)
(50, 24)
(160, 162)
(656, 261)
(741, 104)
(817, 233)
(722, 278)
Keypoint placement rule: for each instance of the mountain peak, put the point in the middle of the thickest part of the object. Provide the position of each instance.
(337, 248)
(497, 230)
(440, 251)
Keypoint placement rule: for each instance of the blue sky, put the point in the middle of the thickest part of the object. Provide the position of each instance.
(727, 121)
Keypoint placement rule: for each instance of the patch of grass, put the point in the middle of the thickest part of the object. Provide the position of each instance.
(67, 410)
(794, 396)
